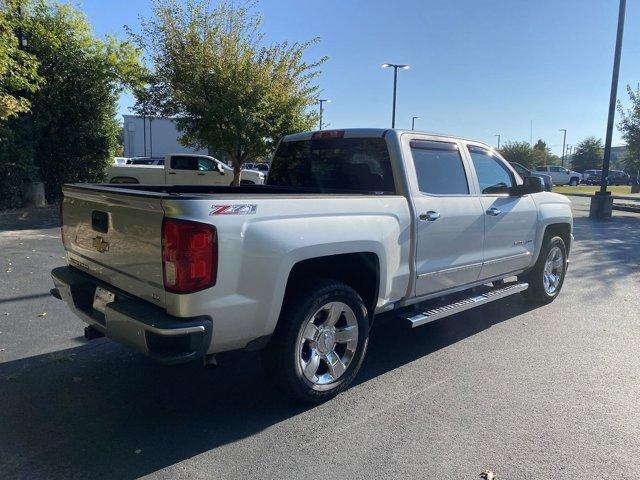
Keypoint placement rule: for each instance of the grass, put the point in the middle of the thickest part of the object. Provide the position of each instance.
(591, 189)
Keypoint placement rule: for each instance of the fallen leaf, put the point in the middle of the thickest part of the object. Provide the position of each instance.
(43, 314)
(77, 379)
(488, 475)
(6, 313)
(137, 451)
(524, 323)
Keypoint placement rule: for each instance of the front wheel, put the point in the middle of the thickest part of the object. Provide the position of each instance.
(320, 342)
(547, 276)
(573, 182)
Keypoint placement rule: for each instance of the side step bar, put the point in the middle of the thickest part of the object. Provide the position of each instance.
(417, 319)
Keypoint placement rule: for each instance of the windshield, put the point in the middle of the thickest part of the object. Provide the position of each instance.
(353, 164)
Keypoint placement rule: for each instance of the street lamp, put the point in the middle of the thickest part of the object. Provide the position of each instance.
(498, 135)
(413, 122)
(395, 84)
(321, 101)
(564, 141)
(604, 212)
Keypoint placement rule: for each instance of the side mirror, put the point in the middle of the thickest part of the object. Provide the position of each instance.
(530, 185)
(220, 169)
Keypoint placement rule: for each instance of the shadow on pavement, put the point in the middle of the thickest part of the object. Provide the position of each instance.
(30, 218)
(608, 250)
(83, 412)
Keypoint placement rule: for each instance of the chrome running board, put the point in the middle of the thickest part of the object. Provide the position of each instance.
(441, 311)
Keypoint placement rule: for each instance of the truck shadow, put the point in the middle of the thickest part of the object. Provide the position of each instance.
(86, 411)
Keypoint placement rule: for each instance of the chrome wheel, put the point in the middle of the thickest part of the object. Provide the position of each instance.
(327, 343)
(553, 270)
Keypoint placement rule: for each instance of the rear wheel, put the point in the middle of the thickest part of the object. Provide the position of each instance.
(320, 342)
(547, 276)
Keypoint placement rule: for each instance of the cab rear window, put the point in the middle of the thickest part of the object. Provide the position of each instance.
(345, 164)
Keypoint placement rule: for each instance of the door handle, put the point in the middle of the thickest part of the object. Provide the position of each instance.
(494, 212)
(430, 216)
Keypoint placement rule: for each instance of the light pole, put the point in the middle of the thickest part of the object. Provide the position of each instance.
(498, 135)
(395, 85)
(321, 101)
(612, 99)
(564, 141)
(413, 122)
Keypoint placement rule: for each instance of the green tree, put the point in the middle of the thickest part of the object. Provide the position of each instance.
(588, 154)
(229, 90)
(629, 127)
(18, 69)
(73, 114)
(522, 153)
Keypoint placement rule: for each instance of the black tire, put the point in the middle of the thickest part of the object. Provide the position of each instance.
(281, 355)
(573, 182)
(536, 293)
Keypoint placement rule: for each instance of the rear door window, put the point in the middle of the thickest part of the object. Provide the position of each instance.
(184, 163)
(348, 164)
(439, 168)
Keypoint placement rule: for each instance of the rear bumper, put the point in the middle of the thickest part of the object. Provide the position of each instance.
(134, 322)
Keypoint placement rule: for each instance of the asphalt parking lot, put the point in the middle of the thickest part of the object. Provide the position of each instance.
(546, 393)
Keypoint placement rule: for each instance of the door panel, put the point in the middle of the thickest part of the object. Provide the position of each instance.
(449, 249)
(450, 223)
(509, 221)
(182, 170)
(510, 231)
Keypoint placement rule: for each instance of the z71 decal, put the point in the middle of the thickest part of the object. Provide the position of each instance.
(241, 209)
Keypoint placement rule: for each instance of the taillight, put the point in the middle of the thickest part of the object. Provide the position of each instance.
(61, 221)
(189, 255)
(328, 134)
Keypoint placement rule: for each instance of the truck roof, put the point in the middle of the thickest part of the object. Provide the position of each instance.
(373, 132)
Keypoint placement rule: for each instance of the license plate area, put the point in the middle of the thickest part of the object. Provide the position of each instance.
(101, 297)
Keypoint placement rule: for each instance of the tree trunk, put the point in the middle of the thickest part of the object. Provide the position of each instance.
(237, 167)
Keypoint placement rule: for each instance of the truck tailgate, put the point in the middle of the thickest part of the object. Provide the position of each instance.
(116, 237)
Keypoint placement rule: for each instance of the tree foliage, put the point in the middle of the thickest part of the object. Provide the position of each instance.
(18, 69)
(522, 153)
(229, 90)
(588, 154)
(72, 126)
(629, 127)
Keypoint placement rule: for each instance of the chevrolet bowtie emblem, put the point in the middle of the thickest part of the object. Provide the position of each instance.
(100, 245)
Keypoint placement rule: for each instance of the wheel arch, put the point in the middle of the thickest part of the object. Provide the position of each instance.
(560, 229)
(359, 270)
(123, 179)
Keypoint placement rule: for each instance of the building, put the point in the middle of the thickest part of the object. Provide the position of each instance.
(153, 137)
(617, 155)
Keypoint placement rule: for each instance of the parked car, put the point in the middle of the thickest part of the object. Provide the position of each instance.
(180, 169)
(524, 172)
(618, 177)
(589, 173)
(615, 177)
(260, 166)
(560, 175)
(351, 224)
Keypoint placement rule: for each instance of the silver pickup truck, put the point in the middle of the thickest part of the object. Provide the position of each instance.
(351, 224)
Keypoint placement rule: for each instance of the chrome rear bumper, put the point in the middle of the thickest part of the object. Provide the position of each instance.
(134, 322)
